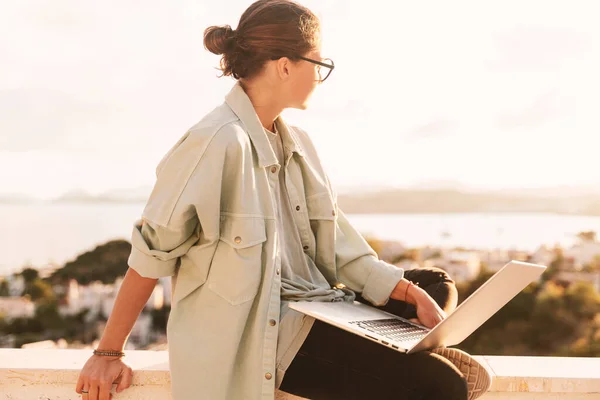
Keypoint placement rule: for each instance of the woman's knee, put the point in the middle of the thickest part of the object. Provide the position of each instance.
(442, 275)
(428, 276)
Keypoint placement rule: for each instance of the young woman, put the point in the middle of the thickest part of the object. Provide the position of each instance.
(245, 220)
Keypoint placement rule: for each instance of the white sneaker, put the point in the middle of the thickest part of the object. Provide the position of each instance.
(479, 378)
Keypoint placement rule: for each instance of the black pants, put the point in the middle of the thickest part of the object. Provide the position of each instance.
(335, 364)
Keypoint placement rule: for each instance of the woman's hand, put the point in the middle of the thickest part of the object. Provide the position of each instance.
(429, 312)
(98, 375)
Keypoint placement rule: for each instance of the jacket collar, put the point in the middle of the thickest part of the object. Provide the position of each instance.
(240, 104)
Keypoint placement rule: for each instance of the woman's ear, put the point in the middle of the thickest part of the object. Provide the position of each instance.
(284, 68)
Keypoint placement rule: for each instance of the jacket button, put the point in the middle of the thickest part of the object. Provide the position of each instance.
(277, 271)
(333, 213)
(305, 247)
(268, 375)
(272, 322)
(297, 208)
(237, 239)
(273, 169)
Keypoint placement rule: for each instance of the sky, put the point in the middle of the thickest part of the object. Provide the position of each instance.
(479, 94)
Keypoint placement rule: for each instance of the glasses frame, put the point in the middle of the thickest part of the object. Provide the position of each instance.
(322, 64)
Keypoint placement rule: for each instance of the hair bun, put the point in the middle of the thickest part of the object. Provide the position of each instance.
(217, 39)
(266, 30)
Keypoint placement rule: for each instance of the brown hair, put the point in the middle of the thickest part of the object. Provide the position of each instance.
(268, 29)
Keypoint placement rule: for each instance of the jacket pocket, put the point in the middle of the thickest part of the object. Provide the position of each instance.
(237, 265)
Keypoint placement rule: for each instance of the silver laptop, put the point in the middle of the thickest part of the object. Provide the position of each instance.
(407, 337)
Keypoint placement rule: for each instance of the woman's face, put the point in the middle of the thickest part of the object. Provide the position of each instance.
(303, 80)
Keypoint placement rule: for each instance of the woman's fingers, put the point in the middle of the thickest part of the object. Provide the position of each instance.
(93, 391)
(80, 384)
(125, 379)
(85, 392)
(104, 390)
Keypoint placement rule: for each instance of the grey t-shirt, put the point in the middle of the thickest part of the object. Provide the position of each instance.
(300, 277)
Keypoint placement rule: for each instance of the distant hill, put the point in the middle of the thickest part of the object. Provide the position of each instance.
(104, 263)
(455, 201)
(433, 198)
(16, 198)
(133, 195)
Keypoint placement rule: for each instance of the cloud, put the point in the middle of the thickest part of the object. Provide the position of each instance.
(538, 47)
(47, 119)
(542, 109)
(434, 128)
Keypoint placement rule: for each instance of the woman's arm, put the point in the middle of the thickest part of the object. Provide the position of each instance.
(99, 372)
(132, 297)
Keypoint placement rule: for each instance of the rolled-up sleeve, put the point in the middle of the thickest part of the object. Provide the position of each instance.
(359, 267)
(155, 248)
(169, 225)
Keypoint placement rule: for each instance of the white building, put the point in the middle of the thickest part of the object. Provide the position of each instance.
(583, 253)
(543, 255)
(90, 297)
(494, 259)
(140, 333)
(16, 285)
(100, 298)
(462, 266)
(15, 307)
(72, 297)
(156, 300)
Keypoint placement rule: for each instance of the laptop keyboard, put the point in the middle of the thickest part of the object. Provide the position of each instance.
(392, 328)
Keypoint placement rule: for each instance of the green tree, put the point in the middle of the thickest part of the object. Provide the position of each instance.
(554, 268)
(30, 275)
(49, 318)
(105, 263)
(4, 292)
(544, 320)
(39, 290)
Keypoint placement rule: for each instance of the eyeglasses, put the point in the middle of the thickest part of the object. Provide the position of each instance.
(320, 65)
(328, 64)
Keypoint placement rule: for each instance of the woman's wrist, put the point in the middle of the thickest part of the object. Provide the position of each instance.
(414, 294)
(107, 344)
(408, 292)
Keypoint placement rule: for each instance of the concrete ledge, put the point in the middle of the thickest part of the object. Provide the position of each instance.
(556, 375)
(52, 374)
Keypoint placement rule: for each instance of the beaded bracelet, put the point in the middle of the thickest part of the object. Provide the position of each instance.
(109, 353)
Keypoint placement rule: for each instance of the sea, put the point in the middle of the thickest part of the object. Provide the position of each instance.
(38, 234)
